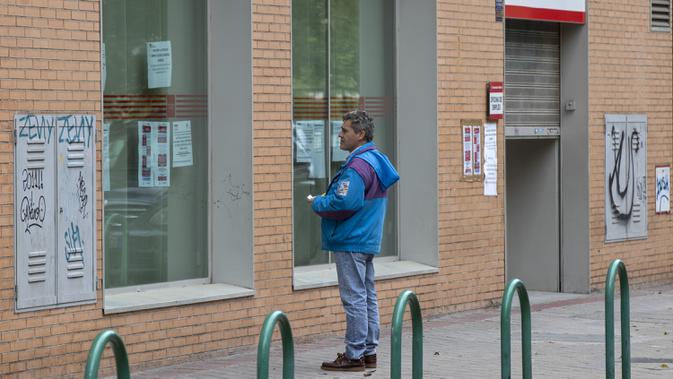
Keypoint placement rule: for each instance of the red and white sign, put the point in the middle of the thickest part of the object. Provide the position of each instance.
(495, 100)
(571, 11)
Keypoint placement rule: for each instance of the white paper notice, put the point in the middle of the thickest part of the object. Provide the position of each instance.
(182, 144)
(467, 150)
(490, 159)
(317, 168)
(106, 156)
(303, 139)
(162, 168)
(309, 143)
(145, 178)
(159, 64)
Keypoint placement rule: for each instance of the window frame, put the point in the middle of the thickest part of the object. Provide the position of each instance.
(224, 280)
(418, 242)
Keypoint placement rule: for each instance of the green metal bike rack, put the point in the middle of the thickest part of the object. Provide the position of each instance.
(416, 336)
(506, 333)
(96, 351)
(264, 345)
(617, 267)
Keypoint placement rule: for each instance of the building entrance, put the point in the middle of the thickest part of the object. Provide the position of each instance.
(532, 130)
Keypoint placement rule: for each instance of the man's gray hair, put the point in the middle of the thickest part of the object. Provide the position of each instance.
(361, 122)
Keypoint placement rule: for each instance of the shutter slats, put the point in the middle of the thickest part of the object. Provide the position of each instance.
(660, 14)
(532, 75)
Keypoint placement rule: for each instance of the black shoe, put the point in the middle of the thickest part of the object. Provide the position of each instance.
(342, 363)
(370, 361)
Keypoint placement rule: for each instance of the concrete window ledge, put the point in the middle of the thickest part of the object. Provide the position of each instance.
(118, 301)
(325, 275)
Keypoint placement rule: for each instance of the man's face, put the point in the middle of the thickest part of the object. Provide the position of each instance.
(349, 140)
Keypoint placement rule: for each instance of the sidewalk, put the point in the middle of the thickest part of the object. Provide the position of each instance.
(567, 336)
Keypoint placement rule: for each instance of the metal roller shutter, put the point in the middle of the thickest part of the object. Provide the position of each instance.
(532, 79)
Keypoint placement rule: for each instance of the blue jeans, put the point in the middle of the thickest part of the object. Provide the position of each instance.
(358, 296)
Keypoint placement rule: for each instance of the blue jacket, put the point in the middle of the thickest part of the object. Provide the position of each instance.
(354, 206)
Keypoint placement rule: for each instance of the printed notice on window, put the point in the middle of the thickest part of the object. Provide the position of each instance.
(162, 169)
(490, 159)
(145, 178)
(182, 144)
(159, 64)
(154, 161)
(309, 146)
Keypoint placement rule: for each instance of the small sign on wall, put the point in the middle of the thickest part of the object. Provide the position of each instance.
(471, 148)
(663, 189)
(495, 100)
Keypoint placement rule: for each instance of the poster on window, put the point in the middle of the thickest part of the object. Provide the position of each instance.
(162, 168)
(154, 161)
(145, 177)
(309, 146)
(663, 189)
(182, 144)
(159, 64)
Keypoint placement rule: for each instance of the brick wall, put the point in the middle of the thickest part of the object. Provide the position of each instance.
(629, 72)
(471, 226)
(49, 63)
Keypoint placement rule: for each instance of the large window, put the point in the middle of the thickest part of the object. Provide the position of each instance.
(155, 148)
(343, 59)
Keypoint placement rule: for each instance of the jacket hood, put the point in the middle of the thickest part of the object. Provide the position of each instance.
(384, 169)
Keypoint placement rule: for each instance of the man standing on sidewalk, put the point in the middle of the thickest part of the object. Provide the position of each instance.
(353, 211)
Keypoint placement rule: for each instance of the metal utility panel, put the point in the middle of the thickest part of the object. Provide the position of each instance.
(76, 237)
(532, 79)
(35, 220)
(625, 177)
(54, 210)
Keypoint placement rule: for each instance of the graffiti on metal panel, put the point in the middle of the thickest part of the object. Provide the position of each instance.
(82, 196)
(71, 128)
(74, 245)
(33, 208)
(625, 186)
(76, 129)
(33, 127)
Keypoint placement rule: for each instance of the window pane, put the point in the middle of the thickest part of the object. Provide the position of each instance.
(362, 67)
(359, 48)
(156, 161)
(309, 46)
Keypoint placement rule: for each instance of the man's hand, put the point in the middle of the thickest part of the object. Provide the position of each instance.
(309, 199)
